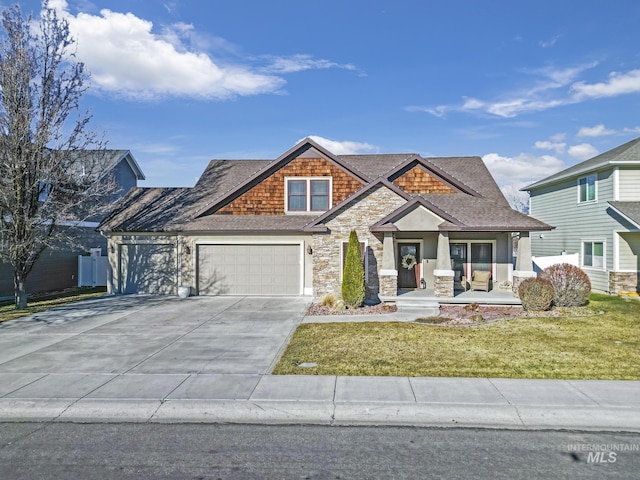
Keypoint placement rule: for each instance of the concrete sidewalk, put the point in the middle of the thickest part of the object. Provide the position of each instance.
(325, 400)
(208, 359)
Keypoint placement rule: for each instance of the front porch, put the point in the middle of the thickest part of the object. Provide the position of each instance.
(496, 296)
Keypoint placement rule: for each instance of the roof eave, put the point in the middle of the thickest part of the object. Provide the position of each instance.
(558, 178)
(623, 215)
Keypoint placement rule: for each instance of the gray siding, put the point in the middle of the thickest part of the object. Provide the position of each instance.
(629, 181)
(558, 206)
(629, 259)
(56, 269)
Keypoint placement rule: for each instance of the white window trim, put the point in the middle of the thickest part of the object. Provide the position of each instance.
(604, 254)
(366, 259)
(595, 185)
(308, 211)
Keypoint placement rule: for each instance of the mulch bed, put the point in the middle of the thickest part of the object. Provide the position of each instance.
(453, 315)
(379, 309)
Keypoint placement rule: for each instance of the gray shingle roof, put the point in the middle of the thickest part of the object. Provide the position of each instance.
(181, 209)
(473, 213)
(374, 166)
(246, 223)
(631, 210)
(628, 152)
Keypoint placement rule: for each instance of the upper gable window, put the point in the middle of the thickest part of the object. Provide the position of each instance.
(587, 189)
(308, 194)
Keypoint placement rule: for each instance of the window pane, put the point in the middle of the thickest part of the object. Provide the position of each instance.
(598, 249)
(583, 189)
(297, 187)
(319, 195)
(598, 254)
(588, 256)
(297, 202)
(297, 195)
(319, 202)
(319, 187)
(591, 194)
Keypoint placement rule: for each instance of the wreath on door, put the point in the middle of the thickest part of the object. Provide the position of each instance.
(409, 261)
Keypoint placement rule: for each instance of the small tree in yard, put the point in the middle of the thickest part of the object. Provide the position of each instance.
(48, 183)
(353, 284)
(571, 284)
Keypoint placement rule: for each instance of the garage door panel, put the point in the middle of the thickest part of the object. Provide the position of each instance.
(147, 268)
(249, 269)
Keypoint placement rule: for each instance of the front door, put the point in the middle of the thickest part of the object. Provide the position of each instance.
(409, 256)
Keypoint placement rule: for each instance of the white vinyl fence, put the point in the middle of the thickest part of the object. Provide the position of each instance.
(92, 269)
(540, 263)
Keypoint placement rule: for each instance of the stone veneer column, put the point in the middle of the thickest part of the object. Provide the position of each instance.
(443, 275)
(524, 263)
(623, 282)
(388, 274)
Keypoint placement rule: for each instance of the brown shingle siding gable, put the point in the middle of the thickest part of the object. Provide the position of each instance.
(267, 197)
(419, 180)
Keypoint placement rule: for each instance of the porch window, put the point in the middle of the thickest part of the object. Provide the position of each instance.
(593, 254)
(307, 194)
(587, 189)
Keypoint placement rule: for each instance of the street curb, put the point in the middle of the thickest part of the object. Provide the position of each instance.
(608, 419)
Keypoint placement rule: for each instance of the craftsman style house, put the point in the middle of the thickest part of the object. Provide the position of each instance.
(280, 227)
(595, 207)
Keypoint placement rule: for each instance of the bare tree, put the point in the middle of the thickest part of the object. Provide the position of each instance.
(518, 200)
(49, 181)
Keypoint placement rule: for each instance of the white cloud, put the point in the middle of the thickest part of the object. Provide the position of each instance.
(618, 84)
(549, 43)
(596, 131)
(558, 147)
(346, 147)
(548, 90)
(300, 62)
(521, 170)
(583, 151)
(127, 57)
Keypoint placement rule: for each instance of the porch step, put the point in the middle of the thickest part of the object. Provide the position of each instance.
(420, 308)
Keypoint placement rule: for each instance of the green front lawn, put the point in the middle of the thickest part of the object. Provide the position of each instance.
(42, 303)
(598, 346)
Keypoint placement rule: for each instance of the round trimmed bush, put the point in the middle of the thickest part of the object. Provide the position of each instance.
(536, 294)
(571, 285)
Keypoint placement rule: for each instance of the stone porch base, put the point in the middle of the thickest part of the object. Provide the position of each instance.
(623, 282)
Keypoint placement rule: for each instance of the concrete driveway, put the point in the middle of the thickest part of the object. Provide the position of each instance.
(96, 340)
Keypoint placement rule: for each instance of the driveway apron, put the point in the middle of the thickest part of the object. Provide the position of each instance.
(86, 348)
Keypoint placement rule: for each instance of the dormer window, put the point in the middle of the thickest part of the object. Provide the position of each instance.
(307, 194)
(587, 189)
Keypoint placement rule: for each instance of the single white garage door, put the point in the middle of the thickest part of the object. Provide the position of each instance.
(147, 268)
(249, 270)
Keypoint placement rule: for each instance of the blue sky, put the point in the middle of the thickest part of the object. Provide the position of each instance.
(531, 86)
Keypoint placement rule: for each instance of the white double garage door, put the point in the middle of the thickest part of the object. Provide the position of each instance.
(229, 269)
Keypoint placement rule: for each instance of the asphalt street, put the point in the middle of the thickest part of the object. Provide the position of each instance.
(148, 451)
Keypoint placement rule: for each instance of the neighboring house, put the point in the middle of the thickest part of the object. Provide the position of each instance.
(57, 269)
(280, 227)
(595, 207)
